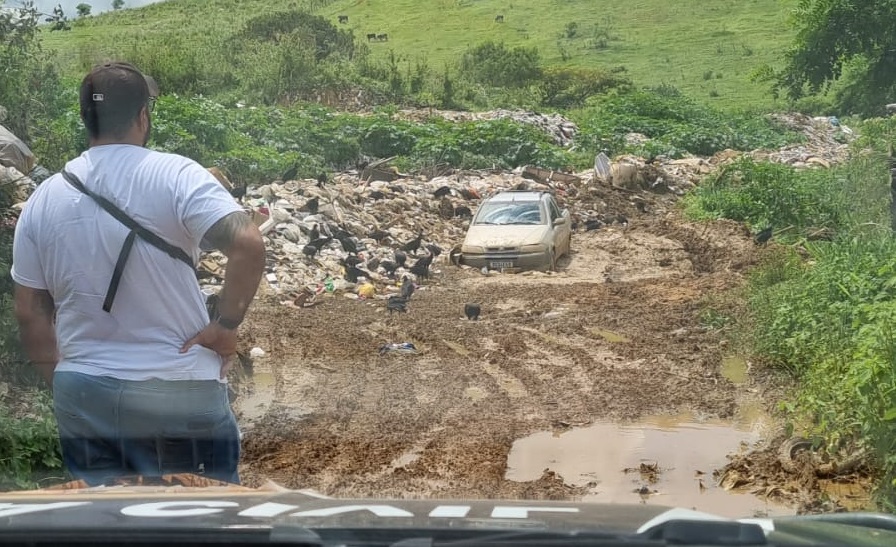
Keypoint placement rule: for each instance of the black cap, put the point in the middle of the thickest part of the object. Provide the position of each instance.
(112, 95)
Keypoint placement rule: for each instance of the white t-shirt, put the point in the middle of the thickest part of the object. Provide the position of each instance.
(66, 244)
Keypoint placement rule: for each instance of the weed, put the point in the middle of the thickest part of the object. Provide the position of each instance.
(28, 443)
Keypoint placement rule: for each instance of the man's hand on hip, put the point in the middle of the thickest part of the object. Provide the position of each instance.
(218, 339)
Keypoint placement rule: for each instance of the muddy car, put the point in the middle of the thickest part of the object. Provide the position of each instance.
(517, 230)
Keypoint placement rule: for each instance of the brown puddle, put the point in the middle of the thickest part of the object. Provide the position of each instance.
(663, 460)
(255, 404)
(734, 369)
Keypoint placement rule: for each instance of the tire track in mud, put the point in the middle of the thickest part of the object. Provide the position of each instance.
(551, 351)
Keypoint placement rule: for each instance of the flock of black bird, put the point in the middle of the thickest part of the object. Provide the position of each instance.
(354, 267)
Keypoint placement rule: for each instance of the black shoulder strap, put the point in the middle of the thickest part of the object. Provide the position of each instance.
(171, 250)
(135, 230)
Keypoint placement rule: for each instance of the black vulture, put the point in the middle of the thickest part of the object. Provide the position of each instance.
(239, 192)
(434, 249)
(763, 236)
(396, 303)
(421, 267)
(353, 273)
(389, 266)
(290, 173)
(472, 311)
(414, 244)
(592, 224)
(348, 245)
(407, 288)
(378, 235)
(441, 192)
(311, 205)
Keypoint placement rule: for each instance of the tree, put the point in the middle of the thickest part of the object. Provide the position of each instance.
(117, 4)
(845, 45)
(83, 10)
(58, 21)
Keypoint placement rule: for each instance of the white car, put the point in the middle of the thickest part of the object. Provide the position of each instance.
(517, 230)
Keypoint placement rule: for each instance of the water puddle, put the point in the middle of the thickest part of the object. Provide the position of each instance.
(734, 369)
(663, 460)
(254, 404)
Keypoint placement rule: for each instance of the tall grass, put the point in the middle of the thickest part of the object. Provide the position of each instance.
(823, 311)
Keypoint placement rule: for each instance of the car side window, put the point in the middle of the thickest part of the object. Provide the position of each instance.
(554, 210)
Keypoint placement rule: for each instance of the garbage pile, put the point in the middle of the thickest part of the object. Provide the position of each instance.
(827, 142)
(361, 239)
(560, 129)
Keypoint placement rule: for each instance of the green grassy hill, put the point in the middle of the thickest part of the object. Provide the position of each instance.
(707, 48)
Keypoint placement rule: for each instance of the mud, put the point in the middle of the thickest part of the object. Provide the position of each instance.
(613, 337)
(664, 461)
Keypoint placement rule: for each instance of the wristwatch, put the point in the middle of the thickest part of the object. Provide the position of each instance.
(230, 324)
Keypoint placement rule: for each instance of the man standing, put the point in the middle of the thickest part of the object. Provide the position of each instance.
(124, 338)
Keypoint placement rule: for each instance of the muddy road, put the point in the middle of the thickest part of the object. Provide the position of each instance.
(614, 350)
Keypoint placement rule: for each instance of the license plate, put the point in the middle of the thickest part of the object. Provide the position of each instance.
(500, 265)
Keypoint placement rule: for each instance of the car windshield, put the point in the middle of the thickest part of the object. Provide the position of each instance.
(504, 213)
(636, 253)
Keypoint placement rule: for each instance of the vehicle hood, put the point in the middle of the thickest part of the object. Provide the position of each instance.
(135, 512)
(489, 235)
(128, 508)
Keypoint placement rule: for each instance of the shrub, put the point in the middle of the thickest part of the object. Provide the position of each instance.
(496, 65)
(571, 87)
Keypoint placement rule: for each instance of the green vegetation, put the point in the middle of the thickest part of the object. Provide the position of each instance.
(822, 309)
(29, 443)
(656, 42)
(805, 202)
(675, 124)
(29, 89)
(846, 45)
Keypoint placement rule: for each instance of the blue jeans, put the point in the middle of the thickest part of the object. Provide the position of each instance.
(111, 428)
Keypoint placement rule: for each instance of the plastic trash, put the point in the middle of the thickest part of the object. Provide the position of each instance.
(329, 286)
(256, 353)
(367, 290)
(402, 347)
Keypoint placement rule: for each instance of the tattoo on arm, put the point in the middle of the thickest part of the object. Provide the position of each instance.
(222, 233)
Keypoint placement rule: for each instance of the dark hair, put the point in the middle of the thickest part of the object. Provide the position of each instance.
(112, 95)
